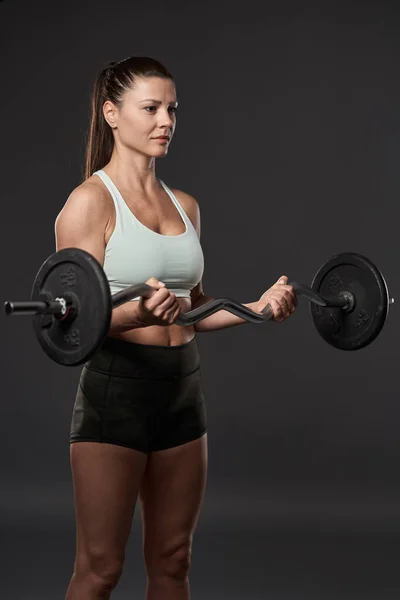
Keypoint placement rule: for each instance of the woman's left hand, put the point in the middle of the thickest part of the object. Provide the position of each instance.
(282, 299)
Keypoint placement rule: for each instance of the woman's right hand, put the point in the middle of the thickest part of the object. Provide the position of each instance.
(162, 308)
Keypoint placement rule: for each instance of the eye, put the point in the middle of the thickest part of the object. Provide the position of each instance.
(152, 109)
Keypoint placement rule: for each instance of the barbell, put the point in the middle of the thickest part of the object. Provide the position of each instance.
(71, 304)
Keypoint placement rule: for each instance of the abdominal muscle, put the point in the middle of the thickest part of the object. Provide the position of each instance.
(170, 335)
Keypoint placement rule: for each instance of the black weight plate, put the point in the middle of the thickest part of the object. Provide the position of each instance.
(356, 274)
(76, 272)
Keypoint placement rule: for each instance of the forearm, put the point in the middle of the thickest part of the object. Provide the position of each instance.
(221, 319)
(125, 318)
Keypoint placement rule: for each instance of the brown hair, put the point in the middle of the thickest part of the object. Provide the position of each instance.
(111, 83)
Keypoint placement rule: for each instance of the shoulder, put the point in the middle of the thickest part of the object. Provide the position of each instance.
(85, 217)
(92, 192)
(191, 207)
(89, 198)
(82, 222)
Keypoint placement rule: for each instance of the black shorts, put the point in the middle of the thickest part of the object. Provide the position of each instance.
(140, 396)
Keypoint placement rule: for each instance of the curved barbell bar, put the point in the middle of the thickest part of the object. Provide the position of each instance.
(57, 306)
(217, 304)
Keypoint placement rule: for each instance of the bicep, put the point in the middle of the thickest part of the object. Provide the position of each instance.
(81, 224)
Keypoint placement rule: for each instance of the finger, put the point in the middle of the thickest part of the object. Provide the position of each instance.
(276, 308)
(162, 294)
(176, 313)
(170, 304)
(285, 308)
(156, 299)
(284, 295)
(286, 289)
(284, 300)
(290, 290)
(155, 283)
(289, 296)
(172, 314)
(167, 304)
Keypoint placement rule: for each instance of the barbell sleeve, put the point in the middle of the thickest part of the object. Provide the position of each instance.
(32, 308)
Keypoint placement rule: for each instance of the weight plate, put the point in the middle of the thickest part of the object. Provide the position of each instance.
(356, 329)
(75, 273)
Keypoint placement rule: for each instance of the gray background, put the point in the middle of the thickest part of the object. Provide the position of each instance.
(288, 136)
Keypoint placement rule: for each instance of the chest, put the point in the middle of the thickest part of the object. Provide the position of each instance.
(158, 214)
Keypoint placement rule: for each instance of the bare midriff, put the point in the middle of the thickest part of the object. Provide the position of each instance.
(171, 335)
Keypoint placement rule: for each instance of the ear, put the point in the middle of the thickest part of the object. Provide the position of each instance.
(110, 113)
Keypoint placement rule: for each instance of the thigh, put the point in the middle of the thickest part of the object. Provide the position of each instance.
(171, 495)
(112, 409)
(183, 416)
(106, 481)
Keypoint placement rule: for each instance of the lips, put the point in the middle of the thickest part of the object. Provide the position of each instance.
(162, 137)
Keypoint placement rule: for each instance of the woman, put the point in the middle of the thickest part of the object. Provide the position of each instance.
(139, 412)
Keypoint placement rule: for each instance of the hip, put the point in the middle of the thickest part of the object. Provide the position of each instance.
(140, 381)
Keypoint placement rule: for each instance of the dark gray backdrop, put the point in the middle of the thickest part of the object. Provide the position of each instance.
(288, 136)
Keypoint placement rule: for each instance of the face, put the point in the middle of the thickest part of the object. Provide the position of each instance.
(146, 120)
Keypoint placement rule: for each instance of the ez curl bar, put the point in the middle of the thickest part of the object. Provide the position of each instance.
(71, 304)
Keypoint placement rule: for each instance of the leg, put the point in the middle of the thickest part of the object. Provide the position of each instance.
(171, 495)
(106, 480)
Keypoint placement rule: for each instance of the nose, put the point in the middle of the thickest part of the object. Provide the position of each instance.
(166, 119)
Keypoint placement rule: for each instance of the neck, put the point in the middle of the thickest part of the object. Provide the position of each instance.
(132, 171)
